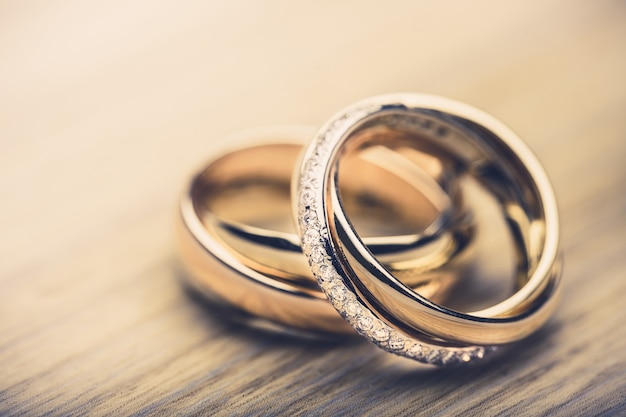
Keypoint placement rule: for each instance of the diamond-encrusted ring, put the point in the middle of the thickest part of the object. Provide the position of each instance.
(369, 297)
(237, 239)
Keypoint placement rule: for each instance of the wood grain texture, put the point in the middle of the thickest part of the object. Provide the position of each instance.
(105, 107)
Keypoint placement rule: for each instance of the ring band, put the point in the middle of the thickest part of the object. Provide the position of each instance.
(261, 270)
(370, 298)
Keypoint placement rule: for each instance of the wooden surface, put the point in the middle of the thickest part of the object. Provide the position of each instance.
(105, 107)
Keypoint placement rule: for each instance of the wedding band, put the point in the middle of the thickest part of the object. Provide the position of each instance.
(368, 296)
(241, 249)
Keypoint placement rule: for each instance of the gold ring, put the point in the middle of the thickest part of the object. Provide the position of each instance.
(238, 243)
(369, 297)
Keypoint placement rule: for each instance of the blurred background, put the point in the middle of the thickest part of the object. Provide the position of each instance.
(106, 107)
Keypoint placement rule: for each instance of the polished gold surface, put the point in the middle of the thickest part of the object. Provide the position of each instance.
(105, 107)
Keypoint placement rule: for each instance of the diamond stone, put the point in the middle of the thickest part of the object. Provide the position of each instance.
(396, 342)
(311, 237)
(309, 173)
(380, 334)
(313, 184)
(309, 219)
(479, 352)
(415, 351)
(325, 273)
(364, 323)
(352, 309)
(307, 197)
(337, 293)
(317, 254)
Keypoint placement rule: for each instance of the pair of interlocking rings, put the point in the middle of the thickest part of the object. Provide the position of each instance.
(396, 168)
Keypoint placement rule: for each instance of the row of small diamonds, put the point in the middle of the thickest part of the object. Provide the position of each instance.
(315, 240)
